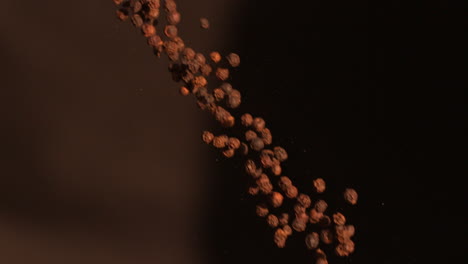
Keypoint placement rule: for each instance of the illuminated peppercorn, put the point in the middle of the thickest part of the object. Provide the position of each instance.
(229, 153)
(276, 169)
(234, 99)
(170, 31)
(155, 41)
(233, 59)
(184, 91)
(204, 23)
(320, 206)
(339, 219)
(291, 192)
(199, 81)
(258, 123)
(262, 210)
(312, 240)
(222, 73)
(188, 54)
(284, 182)
(152, 13)
(304, 200)
(234, 143)
(280, 238)
(321, 261)
(276, 199)
(171, 48)
(246, 120)
(266, 136)
(148, 30)
(220, 141)
(266, 158)
(137, 21)
(314, 216)
(200, 58)
(280, 153)
(326, 235)
(351, 196)
(299, 209)
(284, 219)
(287, 230)
(300, 222)
(137, 6)
(170, 6)
(253, 190)
(227, 87)
(205, 69)
(173, 18)
(264, 184)
(272, 220)
(319, 185)
(118, 2)
(207, 137)
(215, 56)
(250, 167)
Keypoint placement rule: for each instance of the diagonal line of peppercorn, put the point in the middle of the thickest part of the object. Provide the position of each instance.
(192, 69)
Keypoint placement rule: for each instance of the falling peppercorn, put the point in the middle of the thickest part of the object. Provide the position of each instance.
(258, 123)
(257, 144)
(204, 23)
(339, 219)
(350, 196)
(276, 199)
(246, 120)
(233, 59)
(215, 56)
(222, 73)
(262, 210)
(272, 220)
(319, 185)
(312, 240)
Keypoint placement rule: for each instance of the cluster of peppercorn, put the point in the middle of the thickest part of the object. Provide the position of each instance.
(262, 161)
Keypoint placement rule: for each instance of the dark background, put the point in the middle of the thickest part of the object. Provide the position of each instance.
(102, 160)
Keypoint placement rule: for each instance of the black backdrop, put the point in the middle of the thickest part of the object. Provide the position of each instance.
(362, 94)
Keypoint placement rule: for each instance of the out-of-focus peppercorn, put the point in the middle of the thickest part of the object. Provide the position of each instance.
(287, 230)
(304, 200)
(257, 144)
(180, 43)
(224, 117)
(280, 238)
(227, 87)
(137, 21)
(233, 59)
(184, 91)
(234, 99)
(284, 219)
(155, 41)
(339, 219)
(299, 209)
(222, 73)
(170, 31)
(319, 185)
(344, 249)
(291, 192)
(152, 13)
(199, 81)
(246, 120)
(276, 169)
(244, 149)
(250, 135)
(321, 261)
(266, 136)
(250, 167)
(122, 14)
(266, 158)
(264, 184)
(218, 94)
(320, 254)
(312, 240)
(170, 6)
(137, 6)
(350, 196)
(234, 143)
(188, 54)
(284, 182)
(229, 153)
(325, 221)
(326, 235)
(171, 48)
(207, 137)
(118, 2)
(204, 23)
(205, 69)
(148, 30)
(272, 220)
(258, 123)
(262, 210)
(300, 222)
(220, 141)
(173, 18)
(320, 206)
(314, 216)
(215, 56)
(276, 199)
(200, 58)
(253, 190)
(280, 153)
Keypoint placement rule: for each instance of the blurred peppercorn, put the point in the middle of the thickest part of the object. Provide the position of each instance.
(284, 219)
(253, 190)
(272, 220)
(246, 120)
(184, 91)
(320, 206)
(280, 238)
(205, 69)
(350, 196)
(304, 200)
(137, 21)
(215, 56)
(234, 143)
(234, 99)
(122, 14)
(287, 230)
(204, 23)
(264, 184)
(319, 185)
(257, 144)
(314, 216)
(222, 73)
(233, 59)
(220, 141)
(312, 240)
(276, 169)
(326, 235)
(227, 87)
(170, 31)
(258, 124)
(276, 199)
(266, 136)
(262, 210)
(229, 153)
(291, 192)
(339, 219)
(207, 136)
(280, 153)
(173, 18)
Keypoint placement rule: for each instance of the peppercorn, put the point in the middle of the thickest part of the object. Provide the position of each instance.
(234, 99)
(284, 182)
(314, 216)
(349, 230)
(170, 31)
(233, 59)
(276, 199)
(215, 56)
(326, 235)
(351, 196)
(207, 136)
(204, 23)
(287, 230)
(264, 184)
(342, 250)
(188, 54)
(257, 144)
(304, 200)
(193, 66)
(229, 153)
(284, 219)
(172, 49)
(218, 94)
(227, 87)
(276, 169)
(266, 136)
(339, 219)
(199, 81)
(266, 158)
(300, 222)
(170, 6)
(155, 41)
(220, 141)
(187, 77)
(118, 2)
(299, 209)
(152, 13)
(200, 58)
(320, 206)
(222, 73)
(319, 185)
(262, 210)
(291, 192)
(250, 167)
(312, 240)
(320, 254)
(122, 14)
(272, 220)
(253, 190)
(280, 153)
(244, 149)
(137, 21)
(205, 69)
(184, 91)
(258, 123)
(321, 261)
(246, 119)
(234, 143)
(324, 221)
(173, 18)
(137, 6)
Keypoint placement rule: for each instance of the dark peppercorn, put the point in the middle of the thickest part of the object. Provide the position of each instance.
(339, 219)
(170, 31)
(227, 87)
(204, 23)
(246, 120)
(299, 209)
(272, 220)
(280, 153)
(264, 184)
(304, 200)
(258, 123)
(312, 240)
(200, 58)
(207, 137)
(351, 196)
(234, 99)
(249, 135)
(250, 167)
(173, 18)
(284, 182)
(266, 158)
(155, 41)
(220, 141)
(253, 190)
(300, 222)
(233, 59)
(170, 6)
(222, 73)
(325, 221)
(276, 199)
(266, 136)
(291, 192)
(326, 235)
(172, 49)
(244, 149)
(188, 54)
(118, 2)
(206, 69)
(284, 219)
(321, 261)
(320, 206)
(137, 21)
(229, 153)
(257, 144)
(319, 185)
(234, 143)
(122, 14)
(215, 56)
(262, 210)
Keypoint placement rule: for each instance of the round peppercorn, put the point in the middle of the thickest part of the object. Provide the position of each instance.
(339, 219)
(204, 23)
(320, 206)
(233, 59)
(220, 141)
(200, 58)
(280, 238)
(253, 190)
(229, 153)
(205, 69)
(284, 219)
(246, 120)
(227, 87)
(326, 235)
(257, 144)
(264, 184)
(222, 73)
(319, 185)
(351, 196)
(272, 220)
(173, 18)
(218, 94)
(258, 123)
(170, 31)
(266, 136)
(234, 99)
(170, 5)
(325, 221)
(321, 261)
(215, 56)
(262, 210)
(312, 240)
(234, 143)
(291, 192)
(137, 21)
(287, 230)
(299, 209)
(184, 91)
(207, 137)
(284, 182)
(304, 200)
(276, 199)
(280, 153)
(300, 222)
(148, 30)
(314, 216)
(276, 169)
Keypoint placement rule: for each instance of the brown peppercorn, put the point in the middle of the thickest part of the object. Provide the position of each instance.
(276, 169)
(204, 23)
(253, 190)
(220, 141)
(312, 240)
(218, 94)
(233, 59)
(299, 225)
(299, 209)
(148, 30)
(287, 230)
(284, 219)
(256, 144)
(215, 56)
(315, 216)
(118, 2)
(234, 99)
(262, 210)
(233, 143)
(184, 91)
(227, 87)
(291, 192)
(173, 18)
(326, 235)
(200, 58)
(207, 137)
(272, 220)
(155, 3)
(246, 120)
(320, 254)
(206, 69)
(229, 153)
(152, 13)
(344, 250)
(137, 21)
(266, 136)
(170, 31)
(339, 219)
(199, 81)
(244, 149)
(188, 54)
(170, 6)
(350, 196)
(319, 185)
(122, 14)
(264, 184)
(280, 238)
(258, 124)
(276, 199)
(280, 153)
(171, 48)
(266, 158)
(155, 41)
(250, 167)
(320, 206)
(137, 6)
(349, 231)
(304, 200)
(222, 73)
(325, 221)
(284, 183)
(321, 260)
